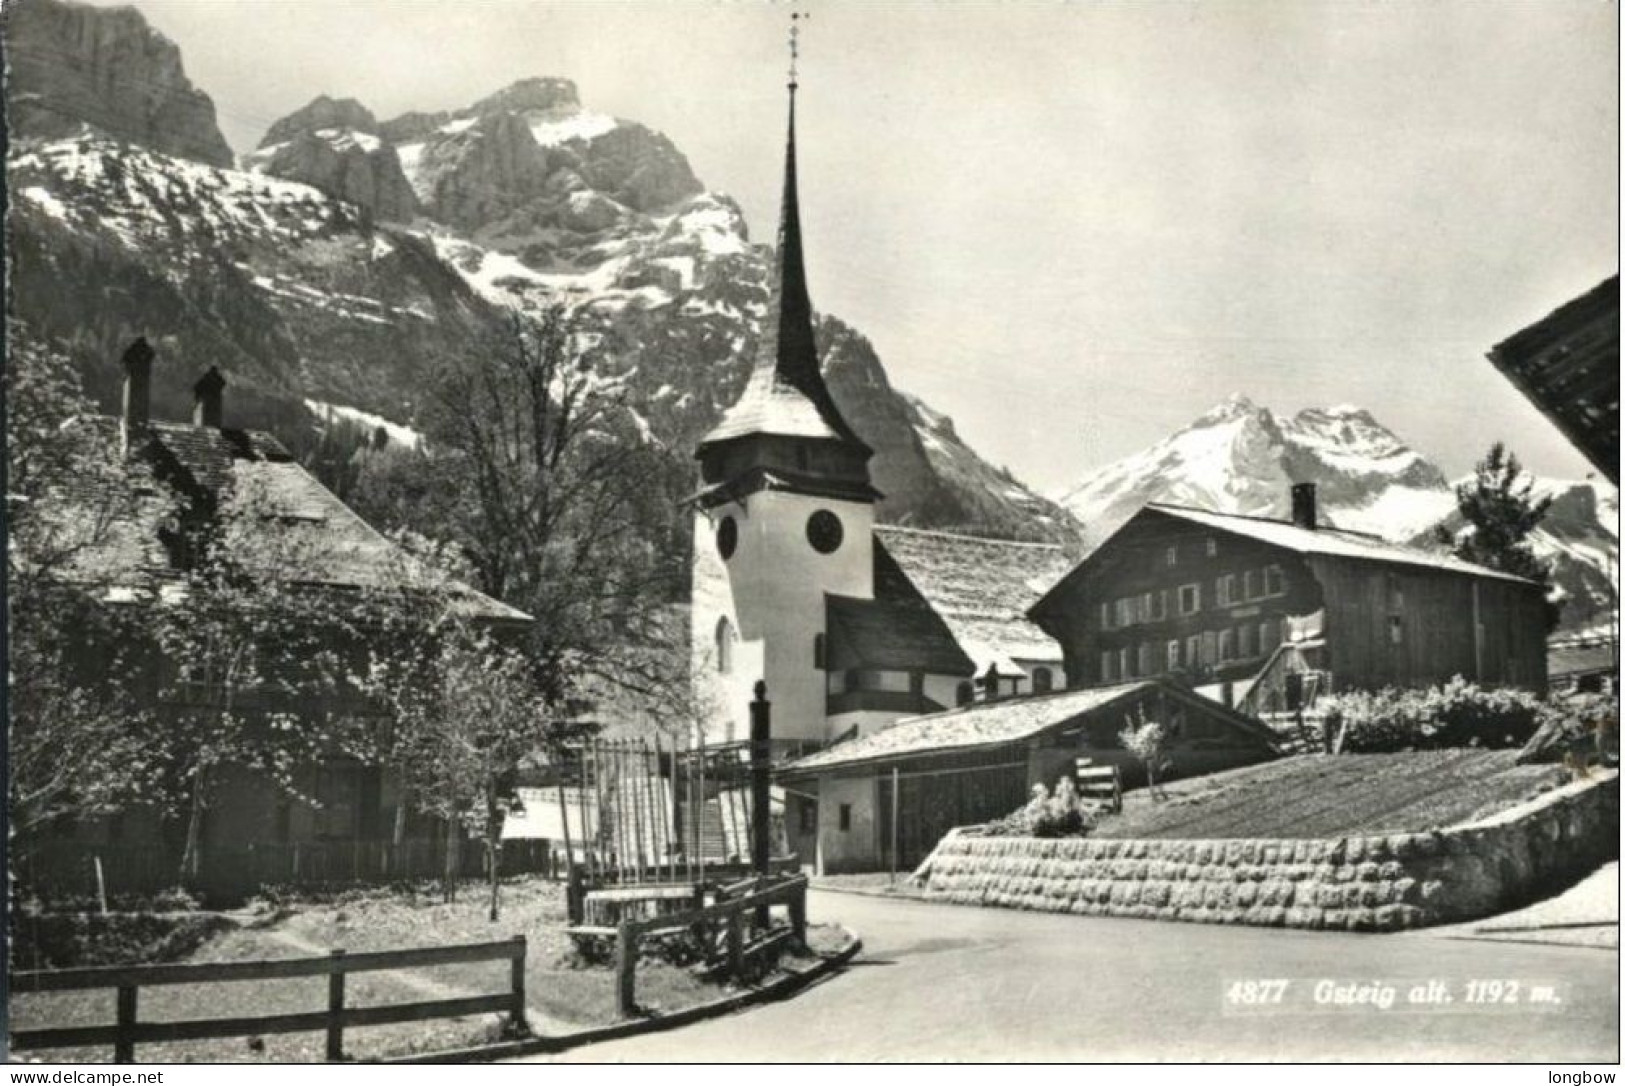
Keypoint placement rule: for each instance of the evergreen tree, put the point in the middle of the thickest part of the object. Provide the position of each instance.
(1501, 510)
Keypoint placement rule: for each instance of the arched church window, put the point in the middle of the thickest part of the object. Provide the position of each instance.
(1043, 681)
(725, 646)
(727, 537)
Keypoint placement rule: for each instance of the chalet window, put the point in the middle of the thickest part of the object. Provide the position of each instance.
(1193, 651)
(818, 651)
(1125, 612)
(1396, 630)
(1269, 636)
(1212, 547)
(1105, 615)
(1190, 599)
(1227, 590)
(1143, 665)
(809, 817)
(1162, 606)
(725, 646)
(1245, 643)
(1210, 647)
(1227, 645)
(964, 694)
(1125, 663)
(1171, 556)
(1043, 681)
(1249, 584)
(1396, 593)
(1274, 581)
(1173, 655)
(846, 817)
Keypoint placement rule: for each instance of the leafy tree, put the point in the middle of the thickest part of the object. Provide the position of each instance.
(464, 737)
(1147, 740)
(77, 749)
(536, 480)
(1501, 510)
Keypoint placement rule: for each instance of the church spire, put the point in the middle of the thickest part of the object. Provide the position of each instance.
(786, 395)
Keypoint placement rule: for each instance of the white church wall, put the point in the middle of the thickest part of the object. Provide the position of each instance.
(772, 592)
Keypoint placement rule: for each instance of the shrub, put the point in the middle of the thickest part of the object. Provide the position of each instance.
(1584, 727)
(1062, 813)
(1456, 714)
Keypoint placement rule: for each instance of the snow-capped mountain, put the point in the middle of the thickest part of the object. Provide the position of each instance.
(1242, 458)
(338, 261)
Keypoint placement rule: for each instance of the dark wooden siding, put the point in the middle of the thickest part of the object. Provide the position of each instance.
(1135, 562)
(1433, 612)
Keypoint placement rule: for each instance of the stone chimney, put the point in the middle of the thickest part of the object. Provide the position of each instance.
(209, 399)
(1303, 505)
(137, 364)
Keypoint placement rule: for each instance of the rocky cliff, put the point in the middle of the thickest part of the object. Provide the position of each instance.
(72, 65)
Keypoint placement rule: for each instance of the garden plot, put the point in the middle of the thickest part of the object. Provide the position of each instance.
(1344, 795)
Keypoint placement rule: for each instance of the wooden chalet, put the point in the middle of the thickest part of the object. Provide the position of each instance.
(978, 763)
(1257, 608)
(290, 531)
(1567, 364)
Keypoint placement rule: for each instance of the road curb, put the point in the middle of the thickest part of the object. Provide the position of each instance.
(537, 1046)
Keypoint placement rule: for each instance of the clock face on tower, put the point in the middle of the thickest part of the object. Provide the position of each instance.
(824, 532)
(727, 538)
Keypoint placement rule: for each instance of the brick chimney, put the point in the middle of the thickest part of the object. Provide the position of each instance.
(1303, 505)
(209, 399)
(137, 363)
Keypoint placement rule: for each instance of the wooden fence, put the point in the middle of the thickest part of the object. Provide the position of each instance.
(128, 1031)
(90, 871)
(729, 914)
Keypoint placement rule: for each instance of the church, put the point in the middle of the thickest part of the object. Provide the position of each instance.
(850, 624)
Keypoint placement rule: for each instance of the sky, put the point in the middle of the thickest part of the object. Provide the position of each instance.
(1074, 227)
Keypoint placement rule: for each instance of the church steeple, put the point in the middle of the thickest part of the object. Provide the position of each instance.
(786, 403)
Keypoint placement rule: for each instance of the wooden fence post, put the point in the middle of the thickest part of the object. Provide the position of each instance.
(516, 1017)
(626, 964)
(736, 944)
(335, 1009)
(124, 1043)
(798, 913)
(574, 894)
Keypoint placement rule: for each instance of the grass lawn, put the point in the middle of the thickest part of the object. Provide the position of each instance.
(1319, 796)
(563, 994)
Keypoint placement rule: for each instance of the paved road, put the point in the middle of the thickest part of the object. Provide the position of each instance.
(948, 982)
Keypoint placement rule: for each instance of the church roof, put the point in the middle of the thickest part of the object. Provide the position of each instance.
(898, 630)
(981, 588)
(786, 395)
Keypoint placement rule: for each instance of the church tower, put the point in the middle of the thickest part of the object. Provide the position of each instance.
(784, 516)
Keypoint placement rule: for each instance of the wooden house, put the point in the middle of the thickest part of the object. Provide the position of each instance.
(884, 800)
(291, 532)
(1255, 608)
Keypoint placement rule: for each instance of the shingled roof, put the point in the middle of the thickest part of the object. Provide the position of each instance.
(1331, 542)
(999, 723)
(285, 521)
(981, 588)
(898, 630)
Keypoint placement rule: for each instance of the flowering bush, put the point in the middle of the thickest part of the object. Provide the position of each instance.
(1062, 813)
(1456, 714)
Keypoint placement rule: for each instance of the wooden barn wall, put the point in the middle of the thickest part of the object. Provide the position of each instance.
(1435, 614)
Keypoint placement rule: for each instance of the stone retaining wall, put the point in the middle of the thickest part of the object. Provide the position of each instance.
(1380, 883)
